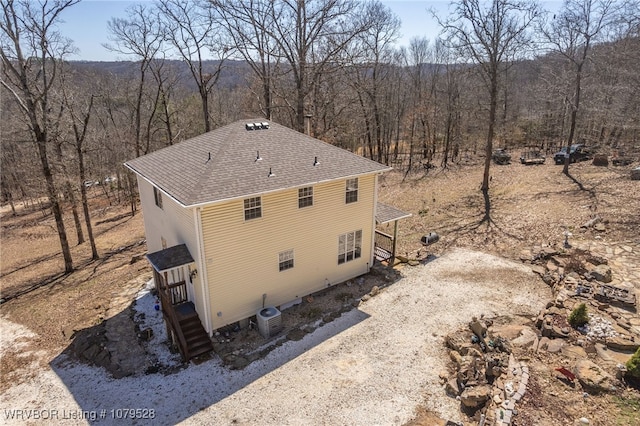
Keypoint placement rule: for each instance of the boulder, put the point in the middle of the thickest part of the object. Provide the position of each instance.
(476, 396)
(555, 345)
(592, 377)
(601, 273)
(635, 174)
(621, 344)
(527, 339)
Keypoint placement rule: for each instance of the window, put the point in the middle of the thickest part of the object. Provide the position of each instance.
(349, 246)
(157, 196)
(252, 208)
(305, 197)
(352, 190)
(286, 260)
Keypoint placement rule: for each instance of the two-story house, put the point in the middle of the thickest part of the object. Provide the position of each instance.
(253, 214)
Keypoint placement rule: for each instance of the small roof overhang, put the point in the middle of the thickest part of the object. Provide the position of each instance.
(386, 214)
(170, 258)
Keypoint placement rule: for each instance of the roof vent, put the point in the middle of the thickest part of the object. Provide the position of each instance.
(315, 161)
(271, 174)
(258, 158)
(250, 126)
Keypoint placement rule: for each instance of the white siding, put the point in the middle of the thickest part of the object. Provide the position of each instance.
(242, 256)
(175, 224)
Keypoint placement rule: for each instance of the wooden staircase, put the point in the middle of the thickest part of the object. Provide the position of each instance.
(196, 340)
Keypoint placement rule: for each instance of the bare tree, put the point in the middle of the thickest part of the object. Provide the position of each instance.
(31, 50)
(572, 34)
(490, 34)
(244, 21)
(309, 37)
(193, 28)
(140, 37)
(80, 125)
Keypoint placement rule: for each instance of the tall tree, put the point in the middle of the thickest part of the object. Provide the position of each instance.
(310, 37)
(572, 34)
(243, 21)
(194, 29)
(31, 50)
(490, 34)
(139, 36)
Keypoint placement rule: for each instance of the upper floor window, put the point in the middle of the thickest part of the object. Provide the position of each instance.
(349, 246)
(352, 190)
(305, 197)
(285, 260)
(157, 196)
(252, 208)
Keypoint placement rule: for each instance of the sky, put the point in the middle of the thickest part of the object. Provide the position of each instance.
(86, 23)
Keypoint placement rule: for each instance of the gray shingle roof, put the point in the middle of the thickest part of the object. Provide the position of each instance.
(170, 258)
(221, 164)
(386, 213)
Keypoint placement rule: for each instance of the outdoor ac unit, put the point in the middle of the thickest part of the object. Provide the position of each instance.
(269, 321)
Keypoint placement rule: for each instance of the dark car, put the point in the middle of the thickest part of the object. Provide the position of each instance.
(578, 152)
(501, 156)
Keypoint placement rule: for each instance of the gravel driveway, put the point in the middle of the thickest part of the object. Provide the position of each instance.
(372, 366)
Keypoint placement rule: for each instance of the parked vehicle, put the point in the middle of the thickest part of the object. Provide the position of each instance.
(501, 156)
(532, 156)
(578, 152)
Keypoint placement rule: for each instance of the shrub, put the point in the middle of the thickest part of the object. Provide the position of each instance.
(578, 316)
(633, 365)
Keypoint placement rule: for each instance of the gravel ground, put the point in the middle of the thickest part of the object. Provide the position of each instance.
(373, 365)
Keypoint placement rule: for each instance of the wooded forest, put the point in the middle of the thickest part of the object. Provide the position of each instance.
(502, 73)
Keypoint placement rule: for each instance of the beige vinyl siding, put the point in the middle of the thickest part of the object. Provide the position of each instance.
(242, 256)
(175, 224)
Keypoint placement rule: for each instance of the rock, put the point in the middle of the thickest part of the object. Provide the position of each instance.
(572, 351)
(456, 358)
(555, 345)
(583, 421)
(452, 388)
(460, 342)
(592, 377)
(476, 396)
(543, 344)
(621, 344)
(479, 328)
(635, 173)
(600, 227)
(528, 339)
(601, 273)
(540, 270)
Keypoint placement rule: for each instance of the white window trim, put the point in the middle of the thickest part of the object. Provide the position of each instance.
(304, 198)
(256, 207)
(284, 258)
(351, 187)
(349, 246)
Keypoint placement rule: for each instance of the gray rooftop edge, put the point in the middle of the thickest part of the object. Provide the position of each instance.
(232, 162)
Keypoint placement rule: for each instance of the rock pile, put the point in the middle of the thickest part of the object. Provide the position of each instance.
(487, 379)
(578, 277)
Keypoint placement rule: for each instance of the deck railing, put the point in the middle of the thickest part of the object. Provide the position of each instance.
(171, 295)
(385, 243)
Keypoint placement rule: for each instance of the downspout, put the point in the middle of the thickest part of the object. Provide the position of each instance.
(373, 233)
(204, 281)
